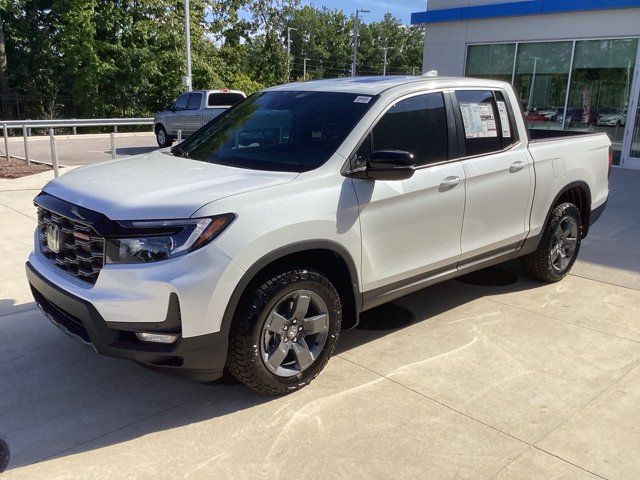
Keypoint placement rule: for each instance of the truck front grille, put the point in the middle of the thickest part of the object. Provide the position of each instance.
(80, 249)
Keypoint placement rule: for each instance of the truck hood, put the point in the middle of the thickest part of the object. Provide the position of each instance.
(157, 186)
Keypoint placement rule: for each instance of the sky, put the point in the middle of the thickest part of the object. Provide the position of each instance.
(401, 9)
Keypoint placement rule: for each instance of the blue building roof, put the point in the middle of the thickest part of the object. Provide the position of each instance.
(514, 9)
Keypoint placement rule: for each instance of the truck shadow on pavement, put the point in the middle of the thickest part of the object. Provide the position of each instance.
(60, 398)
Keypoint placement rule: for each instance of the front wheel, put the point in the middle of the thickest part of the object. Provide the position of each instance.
(284, 331)
(559, 246)
(162, 137)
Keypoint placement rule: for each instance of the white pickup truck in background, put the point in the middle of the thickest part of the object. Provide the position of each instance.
(191, 111)
(251, 244)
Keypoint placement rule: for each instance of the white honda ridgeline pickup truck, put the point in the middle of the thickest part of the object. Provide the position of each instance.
(250, 245)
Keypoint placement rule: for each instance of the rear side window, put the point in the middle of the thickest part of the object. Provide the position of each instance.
(224, 99)
(195, 100)
(417, 125)
(481, 121)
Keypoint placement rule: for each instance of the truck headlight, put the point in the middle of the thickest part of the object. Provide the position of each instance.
(165, 238)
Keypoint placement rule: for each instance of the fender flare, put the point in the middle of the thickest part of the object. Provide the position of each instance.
(531, 243)
(298, 247)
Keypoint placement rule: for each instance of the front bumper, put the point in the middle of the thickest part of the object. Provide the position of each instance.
(199, 358)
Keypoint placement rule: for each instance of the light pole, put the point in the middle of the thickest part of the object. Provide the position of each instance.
(187, 32)
(289, 52)
(304, 70)
(384, 68)
(355, 40)
(533, 82)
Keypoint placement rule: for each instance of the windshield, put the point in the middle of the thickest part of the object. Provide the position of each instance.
(284, 131)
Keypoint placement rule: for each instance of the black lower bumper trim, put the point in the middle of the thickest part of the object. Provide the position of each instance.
(199, 358)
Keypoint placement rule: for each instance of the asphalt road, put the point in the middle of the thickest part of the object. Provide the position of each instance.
(82, 149)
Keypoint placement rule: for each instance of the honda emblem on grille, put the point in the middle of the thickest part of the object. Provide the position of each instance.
(53, 238)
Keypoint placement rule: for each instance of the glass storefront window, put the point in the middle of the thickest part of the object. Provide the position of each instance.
(491, 61)
(635, 139)
(542, 73)
(601, 87)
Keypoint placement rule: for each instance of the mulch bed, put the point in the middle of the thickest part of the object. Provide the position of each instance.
(16, 168)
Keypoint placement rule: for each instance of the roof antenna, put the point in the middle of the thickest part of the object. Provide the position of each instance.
(430, 73)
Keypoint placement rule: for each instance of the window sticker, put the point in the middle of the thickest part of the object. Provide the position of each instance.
(504, 120)
(362, 99)
(479, 120)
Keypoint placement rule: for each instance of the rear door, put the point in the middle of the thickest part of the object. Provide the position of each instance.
(411, 228)
(498, 171)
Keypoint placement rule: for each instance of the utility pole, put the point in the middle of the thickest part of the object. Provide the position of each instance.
(289, 52)
(384, 68)
(355, 40)
(187, 31)
(304, 70)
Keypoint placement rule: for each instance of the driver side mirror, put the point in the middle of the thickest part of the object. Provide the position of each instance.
(169, 108)
(390, 165)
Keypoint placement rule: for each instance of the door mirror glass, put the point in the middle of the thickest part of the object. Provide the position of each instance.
(390, 165)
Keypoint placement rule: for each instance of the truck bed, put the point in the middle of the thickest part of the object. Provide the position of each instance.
(538, 135)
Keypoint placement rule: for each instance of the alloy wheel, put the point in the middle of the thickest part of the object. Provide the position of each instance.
(294, 333)
(565, 243)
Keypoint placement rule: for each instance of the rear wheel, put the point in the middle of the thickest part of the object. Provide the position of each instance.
(559, 246)
(284, 331)
(162, 137)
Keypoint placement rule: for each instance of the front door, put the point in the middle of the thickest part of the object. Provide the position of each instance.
(173, 120)
(411, 228)
(499, 176)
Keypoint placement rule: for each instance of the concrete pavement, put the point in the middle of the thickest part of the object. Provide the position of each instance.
(522, 381)
(82, 149)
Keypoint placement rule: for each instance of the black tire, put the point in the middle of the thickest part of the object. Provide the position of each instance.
(540, 263)
(162, 137)
(245, 355)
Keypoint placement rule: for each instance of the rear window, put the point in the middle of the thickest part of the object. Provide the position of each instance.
(224, 99)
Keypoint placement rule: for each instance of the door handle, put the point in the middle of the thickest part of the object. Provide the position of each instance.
(517, 166)
(449, 183)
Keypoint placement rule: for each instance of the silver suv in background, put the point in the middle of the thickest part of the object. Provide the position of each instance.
(191, 111)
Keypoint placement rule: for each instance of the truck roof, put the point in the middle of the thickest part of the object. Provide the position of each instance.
(379, 84)
(219, 90)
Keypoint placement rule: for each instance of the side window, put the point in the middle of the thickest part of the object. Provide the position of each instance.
(508, 130)
(181, 103)
(481, 121)
(362, 154)
(195, 100)
(417, 125)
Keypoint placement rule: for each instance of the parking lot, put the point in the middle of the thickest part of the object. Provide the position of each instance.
(82, 149)
(520, 380)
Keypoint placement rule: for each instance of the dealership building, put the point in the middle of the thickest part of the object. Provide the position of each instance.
(573, 63)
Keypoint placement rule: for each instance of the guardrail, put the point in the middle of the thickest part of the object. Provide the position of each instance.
(27, 125)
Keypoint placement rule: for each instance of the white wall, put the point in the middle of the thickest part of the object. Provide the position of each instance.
(445, 43)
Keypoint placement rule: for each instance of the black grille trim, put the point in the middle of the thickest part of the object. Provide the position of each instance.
(81, 251)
